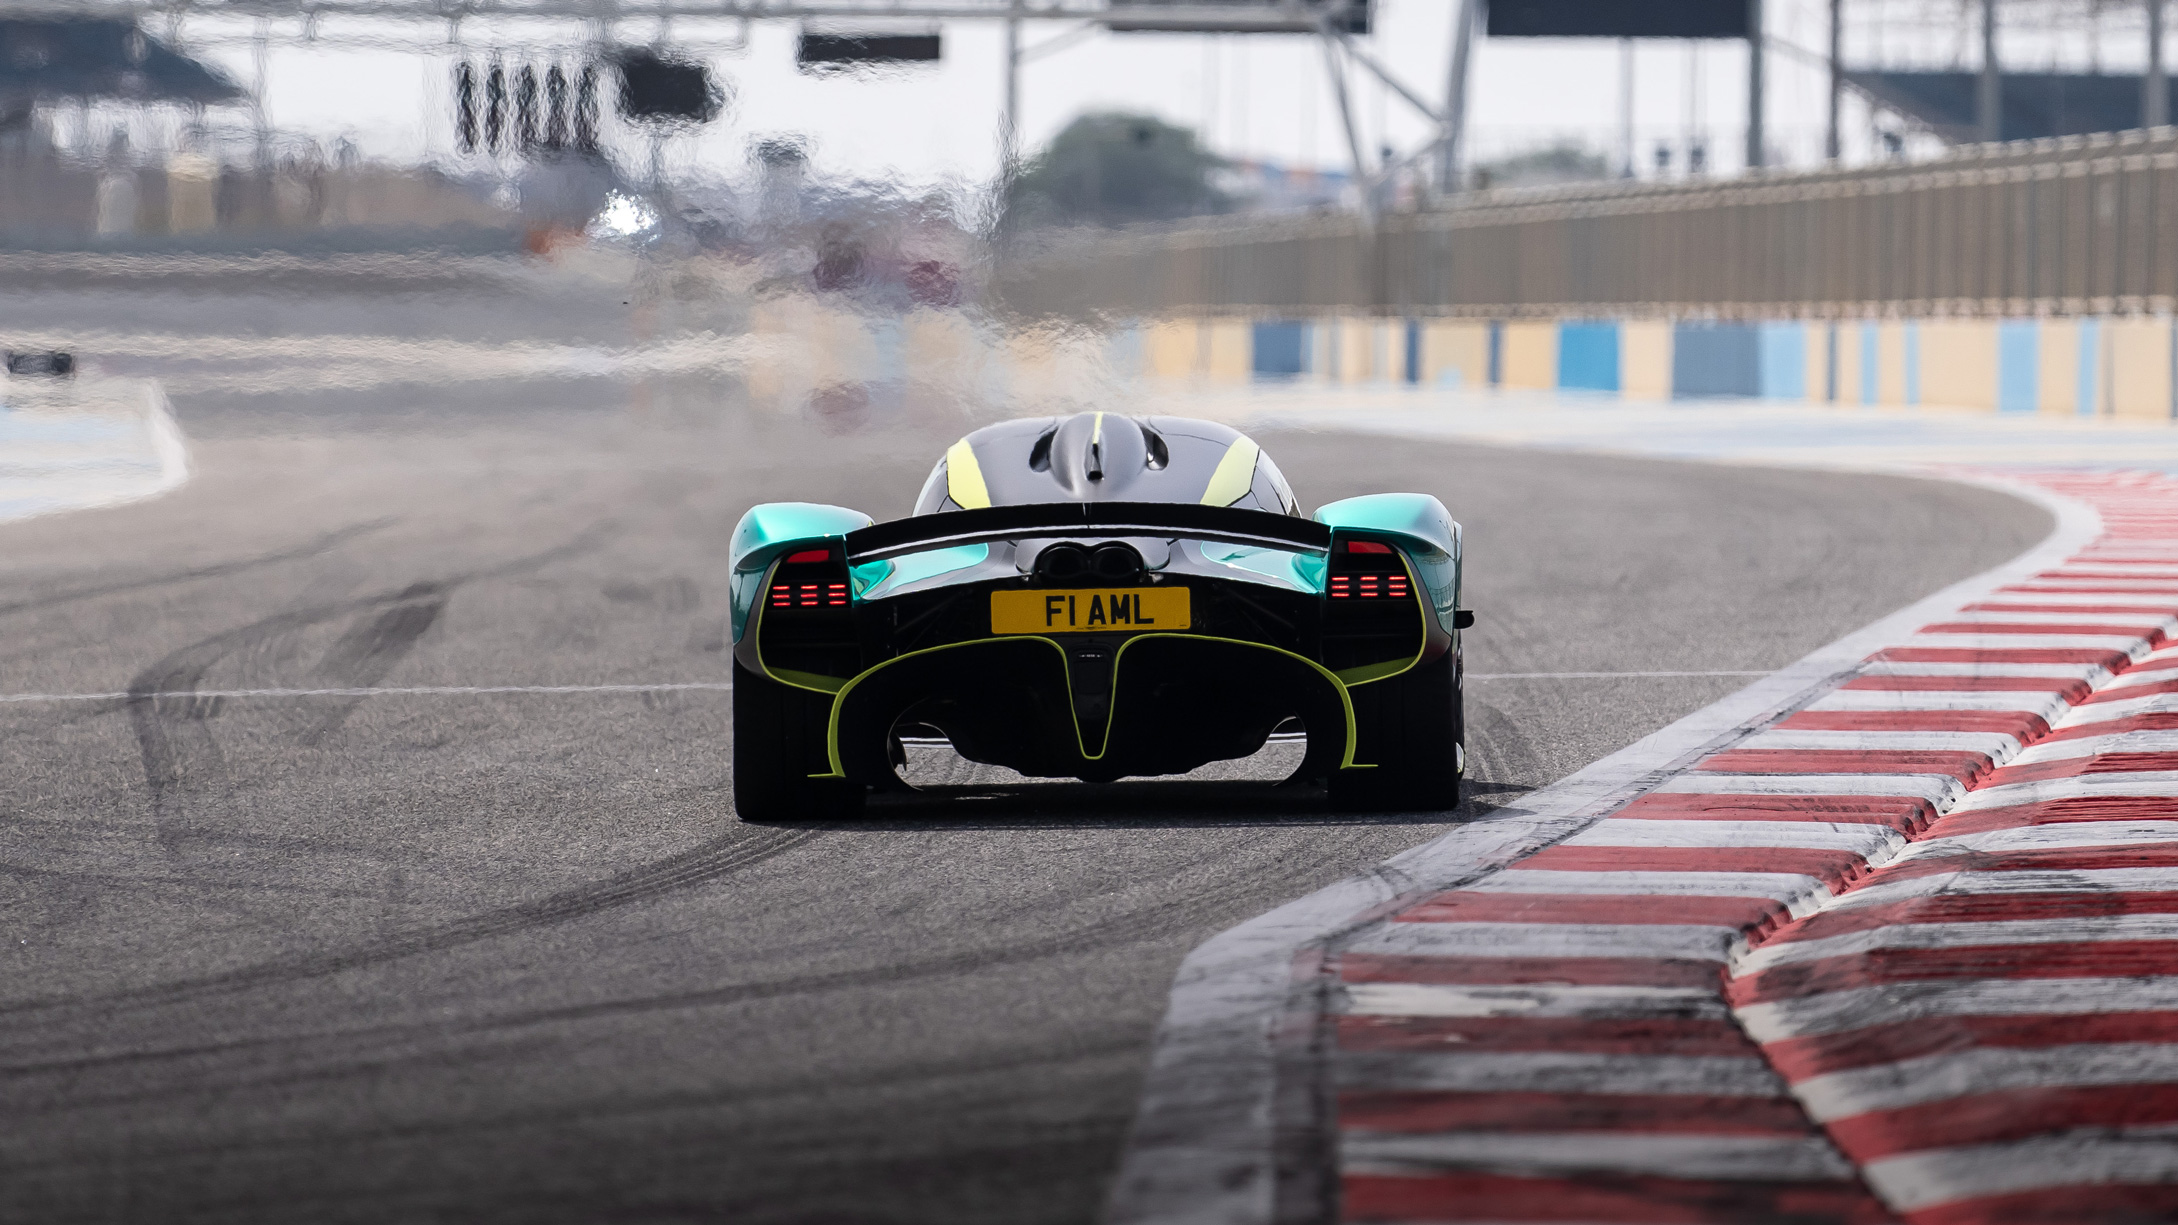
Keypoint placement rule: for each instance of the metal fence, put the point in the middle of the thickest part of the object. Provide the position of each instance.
(2078, 225)
(47, 199)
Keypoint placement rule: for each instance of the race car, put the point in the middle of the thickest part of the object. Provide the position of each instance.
(1094, 597)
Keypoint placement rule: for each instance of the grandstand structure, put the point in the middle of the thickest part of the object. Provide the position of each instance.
(2010, 69)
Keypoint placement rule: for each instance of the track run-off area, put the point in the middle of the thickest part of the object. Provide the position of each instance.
(1885, 937)
(366, 819)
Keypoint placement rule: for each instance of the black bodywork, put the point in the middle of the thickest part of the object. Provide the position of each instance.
(888, 630)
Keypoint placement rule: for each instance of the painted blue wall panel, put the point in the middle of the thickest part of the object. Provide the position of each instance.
(1414, 351)
(2090, 358)
(1871, 362)
(1123, 349)
(1783, 372)
(1280, 349)
(1715, 359)
(1588, 355)
(2019, 366)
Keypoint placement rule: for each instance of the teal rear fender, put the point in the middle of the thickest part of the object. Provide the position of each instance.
(772, 529)
(1421, 525)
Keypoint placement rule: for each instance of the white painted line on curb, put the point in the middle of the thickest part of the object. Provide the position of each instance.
(2119, 1155)
(1540, 1000)
(1586, 1152)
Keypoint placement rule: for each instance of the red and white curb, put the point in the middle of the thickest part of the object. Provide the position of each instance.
(1889, 936)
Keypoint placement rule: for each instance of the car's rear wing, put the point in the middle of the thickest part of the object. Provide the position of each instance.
(1222, 524)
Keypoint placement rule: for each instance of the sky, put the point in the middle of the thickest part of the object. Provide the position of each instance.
(1263, 97)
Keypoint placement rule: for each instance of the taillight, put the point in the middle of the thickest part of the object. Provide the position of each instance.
(808, 595)
(1367, 570)
(1369, 587)
(811, 578)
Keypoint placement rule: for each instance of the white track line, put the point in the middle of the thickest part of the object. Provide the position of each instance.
(1585, 676)
(380, 692)
(656, 687)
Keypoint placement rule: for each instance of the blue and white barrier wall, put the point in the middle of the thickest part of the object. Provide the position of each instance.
(2117, 366)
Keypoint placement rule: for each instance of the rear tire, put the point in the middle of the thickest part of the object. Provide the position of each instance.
(1413, 727)
(779, 741)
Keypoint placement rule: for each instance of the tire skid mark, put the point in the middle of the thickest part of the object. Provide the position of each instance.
(318, 547)
(588, 1112)
(710, 862)
(173, 741)
(177, 748)
(370, 649)
(703, 864)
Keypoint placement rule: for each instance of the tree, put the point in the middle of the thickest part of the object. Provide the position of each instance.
(1112, 169)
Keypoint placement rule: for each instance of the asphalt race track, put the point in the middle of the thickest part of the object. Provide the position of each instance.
(511, 957)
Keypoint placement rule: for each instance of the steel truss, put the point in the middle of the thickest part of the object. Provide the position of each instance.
(1228, 16)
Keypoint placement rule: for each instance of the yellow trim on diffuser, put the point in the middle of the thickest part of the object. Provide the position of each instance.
(1235, 474)
(839, 700)
(964, 478)
(831, 723)
(1346, 701)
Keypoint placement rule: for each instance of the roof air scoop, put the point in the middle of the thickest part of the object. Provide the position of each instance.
(1159, 454)
(1089, 457)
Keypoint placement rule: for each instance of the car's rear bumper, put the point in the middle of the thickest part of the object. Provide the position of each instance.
(1094, 707)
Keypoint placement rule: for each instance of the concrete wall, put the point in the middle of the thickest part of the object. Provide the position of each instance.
(1588, 355)
(1644, 356)
(1455, 353)
(1529, 355)
(1715, 359)
(2019, 366)
(2096, 366)
(1781, 351)
(1958, 363)
(2139, 368)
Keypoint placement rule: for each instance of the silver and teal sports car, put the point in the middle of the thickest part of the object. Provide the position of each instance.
(1094, 597)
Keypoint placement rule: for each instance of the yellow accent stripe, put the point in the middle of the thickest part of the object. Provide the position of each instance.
(964, 478)
(1384, 671)
(1235, 475)
(1096, 435)
(805, 680)
(1375, 672)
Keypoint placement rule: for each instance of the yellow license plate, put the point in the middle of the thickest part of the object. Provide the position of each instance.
(1089, 610)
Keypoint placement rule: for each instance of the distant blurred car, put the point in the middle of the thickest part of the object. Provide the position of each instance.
(50, 363)
(1094, 597)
